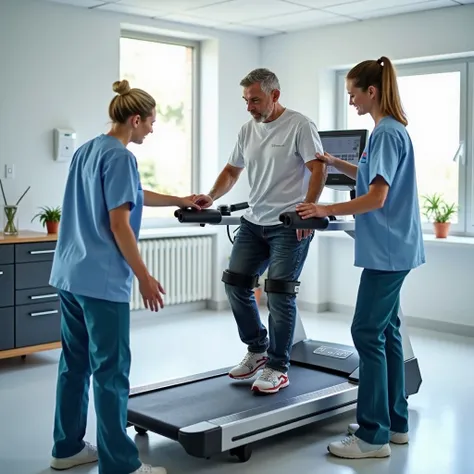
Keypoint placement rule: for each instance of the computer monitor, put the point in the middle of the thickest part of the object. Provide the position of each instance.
(347, 145)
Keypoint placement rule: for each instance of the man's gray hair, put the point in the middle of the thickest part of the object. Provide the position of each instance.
(267, 79)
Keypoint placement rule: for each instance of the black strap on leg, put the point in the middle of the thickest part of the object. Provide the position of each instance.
(282, 286)
(238, 279)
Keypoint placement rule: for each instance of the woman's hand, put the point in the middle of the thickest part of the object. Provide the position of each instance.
(326, 158)
(203, 200)
(151, 290)
(308, 209)
(189, 201)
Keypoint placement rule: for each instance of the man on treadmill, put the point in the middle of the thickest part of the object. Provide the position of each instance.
(278, 146)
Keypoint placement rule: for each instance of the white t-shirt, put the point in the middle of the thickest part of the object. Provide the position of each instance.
(275, 154)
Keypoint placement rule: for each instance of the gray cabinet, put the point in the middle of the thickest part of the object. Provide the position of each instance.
(29, 306)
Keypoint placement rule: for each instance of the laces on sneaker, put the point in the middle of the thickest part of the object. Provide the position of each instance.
(145, 468)
(349, 440)
(247, 360)
(90, 447)
(250, 359)
(268, 374)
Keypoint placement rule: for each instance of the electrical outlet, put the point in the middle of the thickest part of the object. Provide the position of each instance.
(9, 171)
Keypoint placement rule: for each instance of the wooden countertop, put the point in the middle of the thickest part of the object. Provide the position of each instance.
(25, 236)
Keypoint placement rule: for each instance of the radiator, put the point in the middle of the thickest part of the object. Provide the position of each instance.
(183, 266)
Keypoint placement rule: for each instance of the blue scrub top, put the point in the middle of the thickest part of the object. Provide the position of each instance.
(103, 175)
(390, 238)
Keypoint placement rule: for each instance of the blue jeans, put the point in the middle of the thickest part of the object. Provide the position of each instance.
(95, 337)
(256, 248)
(381, 406)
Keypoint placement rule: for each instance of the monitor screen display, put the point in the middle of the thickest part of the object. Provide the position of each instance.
(344, 148)
(347, 145)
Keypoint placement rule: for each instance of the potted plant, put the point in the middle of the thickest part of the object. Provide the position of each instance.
(439, 211)
(49, 217)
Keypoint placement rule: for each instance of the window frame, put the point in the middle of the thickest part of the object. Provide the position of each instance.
(469, 148)
(167, 222)
(465, 67)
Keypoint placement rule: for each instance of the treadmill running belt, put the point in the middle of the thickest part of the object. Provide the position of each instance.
(170, 409)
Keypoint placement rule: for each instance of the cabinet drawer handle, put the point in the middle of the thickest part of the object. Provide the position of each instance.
(38, 252)
(40, 297)
(44, 313)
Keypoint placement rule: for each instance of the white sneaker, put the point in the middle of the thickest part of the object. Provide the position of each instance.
(396, 438)
(147, 469)
(355, 448)
(249, 366)
(270, 381)
(86, 456)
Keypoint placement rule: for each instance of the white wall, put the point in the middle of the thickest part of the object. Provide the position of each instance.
(58, 64)
(306, 62)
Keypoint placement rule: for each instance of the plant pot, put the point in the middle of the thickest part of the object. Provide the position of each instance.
(52, 227)
(441, 229)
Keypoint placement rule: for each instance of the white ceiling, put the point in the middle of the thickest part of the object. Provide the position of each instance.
(263, 17)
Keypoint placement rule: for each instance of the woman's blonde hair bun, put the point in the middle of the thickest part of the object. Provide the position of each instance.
(121, 87)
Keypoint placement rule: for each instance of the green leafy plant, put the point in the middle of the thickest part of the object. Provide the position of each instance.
(437, 210)
(48, 214)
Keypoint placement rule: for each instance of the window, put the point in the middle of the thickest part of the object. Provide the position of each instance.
(434, 97)
(167, 159)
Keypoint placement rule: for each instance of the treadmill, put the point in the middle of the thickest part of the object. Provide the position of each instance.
(210, 413)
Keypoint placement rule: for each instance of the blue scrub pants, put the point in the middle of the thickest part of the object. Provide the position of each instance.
(95, 337)
(381, 406)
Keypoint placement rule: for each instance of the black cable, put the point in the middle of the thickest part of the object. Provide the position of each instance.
(228, 234)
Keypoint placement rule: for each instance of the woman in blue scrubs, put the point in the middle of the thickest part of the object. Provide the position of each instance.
(388, 244)
(95, 260)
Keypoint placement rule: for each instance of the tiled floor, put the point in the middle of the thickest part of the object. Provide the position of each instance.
(174, 345)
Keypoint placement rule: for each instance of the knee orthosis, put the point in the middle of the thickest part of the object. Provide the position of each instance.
(251, 281)
(282, 286)
(237, 279)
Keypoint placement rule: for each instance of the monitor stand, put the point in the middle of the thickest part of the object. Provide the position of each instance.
(344, 187)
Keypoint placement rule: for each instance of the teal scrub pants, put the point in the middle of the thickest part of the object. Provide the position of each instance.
(381, 406)
(95, 337)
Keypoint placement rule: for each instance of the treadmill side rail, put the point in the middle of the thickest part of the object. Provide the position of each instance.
(413, 377)
(141, 389)
(312, 407)
(201, 440)
(212, 437)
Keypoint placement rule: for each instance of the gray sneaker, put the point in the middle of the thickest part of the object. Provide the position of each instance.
(147, 469)
(86, 456)
(396, 438)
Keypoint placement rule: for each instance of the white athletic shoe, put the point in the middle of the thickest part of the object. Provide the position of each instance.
(396, 438)
(270, 381)
(147, 469)
(355, 448)
(249, 366)
(86, 456)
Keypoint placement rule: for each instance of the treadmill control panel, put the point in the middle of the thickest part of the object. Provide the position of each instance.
(332, 352)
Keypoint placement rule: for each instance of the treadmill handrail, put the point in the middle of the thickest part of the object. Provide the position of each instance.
(189, 215)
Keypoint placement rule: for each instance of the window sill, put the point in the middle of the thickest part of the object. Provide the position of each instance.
(170, 232)
(430, 239)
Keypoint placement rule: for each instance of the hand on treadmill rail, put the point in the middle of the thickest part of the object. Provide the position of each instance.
(150, 289)
(307, 210)
(203, 200)
(189, 201)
